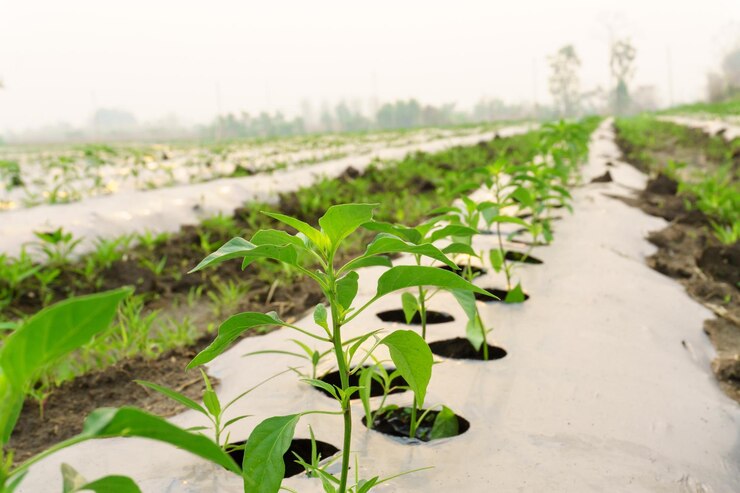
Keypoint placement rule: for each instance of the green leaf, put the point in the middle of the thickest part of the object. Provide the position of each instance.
(373, 261)
(276, 237)
(176, 396)
(497, 259)
(456, 230)
(74, 482)
(384, 243)
(230, 330)
(263, 464)
(413, 360)
(320, 384)
(515, 295)
(522, 195)
(473, 329)
(406, 276)
(408, 234)
(510, 220)
(347, 290)
(320, 316)
(410, 306)
(459, 248)
(313, 234)
(340, 221)
(445, 424)
(132, 422)
(54, 332)
(365, 381)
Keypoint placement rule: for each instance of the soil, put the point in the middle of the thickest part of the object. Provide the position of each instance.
(298, 446)
(514, 256)
(500, 295)
(66, 408)
(477, 271)
(398, 316)
(396, 421)
(460, 348)
(689, 252)
(605, 178)
(376, 389)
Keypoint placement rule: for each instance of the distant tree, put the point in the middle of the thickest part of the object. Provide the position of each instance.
(621, 62)
(564, 81)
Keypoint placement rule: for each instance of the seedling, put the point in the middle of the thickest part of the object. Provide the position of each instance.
(57, 245)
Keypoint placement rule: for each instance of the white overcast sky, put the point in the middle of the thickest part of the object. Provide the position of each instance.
(60, 59)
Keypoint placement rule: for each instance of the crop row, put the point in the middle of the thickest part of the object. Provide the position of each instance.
(328, 253)
(29, 178)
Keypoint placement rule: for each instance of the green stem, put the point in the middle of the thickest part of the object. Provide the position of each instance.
(344, 377)
(423, 312)
(412, 428)
(485, 336)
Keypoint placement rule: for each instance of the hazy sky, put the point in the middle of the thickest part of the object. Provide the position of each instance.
(59, 59)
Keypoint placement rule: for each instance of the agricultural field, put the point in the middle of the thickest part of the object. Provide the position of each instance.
(337, 319)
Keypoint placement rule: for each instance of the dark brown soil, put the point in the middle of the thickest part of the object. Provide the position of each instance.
(396, 421)
(605, 178)
(460, 348)
(66, 408)
(689, 252)
(398, 316)
(514, 256)
(376, 389)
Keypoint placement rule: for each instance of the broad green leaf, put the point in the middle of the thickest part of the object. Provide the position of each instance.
(230, 330)
(458, 248)
(366, 380)
(313, 234)
(510, 220)
(320, 316)
(522, 195)
(364, 486)
(445, 424)
(74, 482)
(456, 230)
(263, 464)
(12, 402)
(408, 234)
(347, 290)
(515, 295)
(276, 237)
(497, 259)
(340, 221)
(406, 276)
(413, 360)
(174, 395)
(473, 328)
(56, 331)
(373, 261)
(133, 422)
(410, 306)
(475, 332)
(234, 248)
(384, 243)
(466, 300)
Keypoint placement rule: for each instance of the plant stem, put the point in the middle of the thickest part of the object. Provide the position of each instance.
(483, 331)
(344, 377)
(423, 312)
(412, 428)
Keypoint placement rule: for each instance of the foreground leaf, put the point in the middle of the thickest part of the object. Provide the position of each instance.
(445, 424)
(406, 276)
(263, 464)
(340, 221)
(230, 330)
(413, 360)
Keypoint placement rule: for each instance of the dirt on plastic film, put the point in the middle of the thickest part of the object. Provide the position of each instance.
(166, 209)
(727, 130)
(604, 388)
(689, 252)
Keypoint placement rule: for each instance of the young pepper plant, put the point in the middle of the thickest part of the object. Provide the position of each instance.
(426, 233)
(314, 253)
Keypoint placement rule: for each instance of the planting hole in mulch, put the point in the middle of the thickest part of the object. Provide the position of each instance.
(396, 421)
(300, 446)
(332, 378)
(460, 348)
(399, 317)
(498, 293)
(477, 271)
(521, 257)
